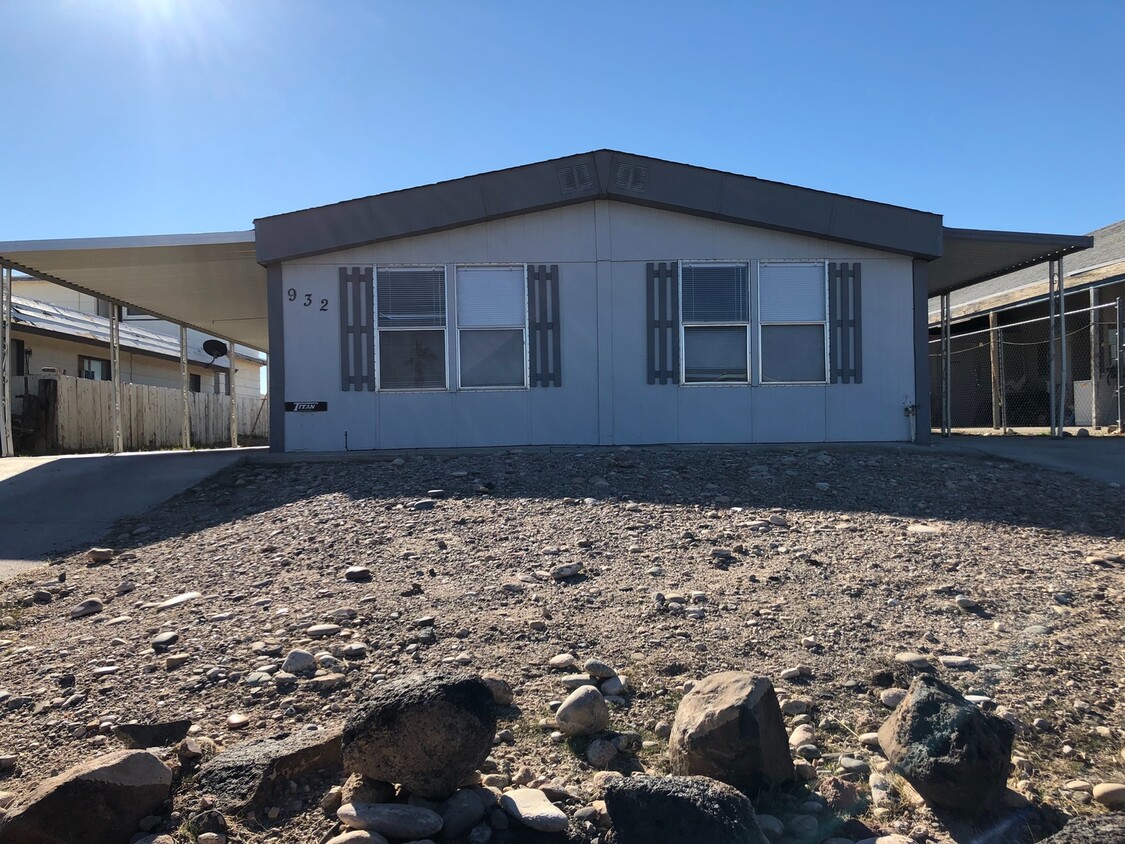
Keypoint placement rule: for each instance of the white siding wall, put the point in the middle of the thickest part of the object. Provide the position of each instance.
(601, 249)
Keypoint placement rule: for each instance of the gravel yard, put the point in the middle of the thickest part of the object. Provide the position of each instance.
(666, 564)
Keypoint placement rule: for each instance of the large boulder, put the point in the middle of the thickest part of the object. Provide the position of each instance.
(246, 776)
(428, 732)
(729, 728)
(954, 754)
(1102, 829)
(671, 810)
(100, 800)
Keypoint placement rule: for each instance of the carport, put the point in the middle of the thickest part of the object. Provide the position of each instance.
(209, 282)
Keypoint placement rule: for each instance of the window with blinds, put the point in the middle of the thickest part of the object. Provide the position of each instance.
(793, 319)
(410, 308)
(492, 326)
(715, 322)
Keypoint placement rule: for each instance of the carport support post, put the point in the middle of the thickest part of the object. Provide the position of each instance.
(185, 416)
(1094, 358)
(233, 396)
(6, 446)
(1119, 345)
(1051, 352)
(994, 355)
(1064, 368)
(115, 374)
(946, 422)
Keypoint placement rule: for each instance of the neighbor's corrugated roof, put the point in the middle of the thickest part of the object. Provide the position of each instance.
(82, 326)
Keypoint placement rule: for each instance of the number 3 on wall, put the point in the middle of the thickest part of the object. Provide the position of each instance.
(291, 295)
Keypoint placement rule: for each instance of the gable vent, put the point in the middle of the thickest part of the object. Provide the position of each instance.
(631, 177)
(576, 178)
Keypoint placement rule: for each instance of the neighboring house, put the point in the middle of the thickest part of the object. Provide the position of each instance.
(149, 336)
(604, 298)
(50, 339)
(1011, 313)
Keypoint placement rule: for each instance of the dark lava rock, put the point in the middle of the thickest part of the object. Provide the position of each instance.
(1103, 829)
(245, 776)
(956, 756)
(428, 732)
(672, 810)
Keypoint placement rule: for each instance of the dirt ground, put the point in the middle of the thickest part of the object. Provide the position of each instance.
(873, 547)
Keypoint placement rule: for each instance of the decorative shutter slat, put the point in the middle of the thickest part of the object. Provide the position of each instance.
(357, 329)
(844, 282)
(544, 335)
(662, 297)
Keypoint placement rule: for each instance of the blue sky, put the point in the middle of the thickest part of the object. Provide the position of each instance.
(126, 117)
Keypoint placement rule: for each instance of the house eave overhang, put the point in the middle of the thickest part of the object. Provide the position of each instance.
(607, 175)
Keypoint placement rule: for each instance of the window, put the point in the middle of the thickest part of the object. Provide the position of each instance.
(715, 318)
(195, 383)
(17, 353)
(410, 308)
(492, 326)
(792, 312)
(103, 308)
(95, 369)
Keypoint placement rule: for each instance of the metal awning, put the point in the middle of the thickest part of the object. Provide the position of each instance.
(211, 282)
(970, 256)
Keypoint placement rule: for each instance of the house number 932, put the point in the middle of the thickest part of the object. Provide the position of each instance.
(306, 299)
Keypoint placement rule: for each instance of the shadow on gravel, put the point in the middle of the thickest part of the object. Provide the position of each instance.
(907, 484)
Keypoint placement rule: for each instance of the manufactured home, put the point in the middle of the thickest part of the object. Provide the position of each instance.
(599, 299)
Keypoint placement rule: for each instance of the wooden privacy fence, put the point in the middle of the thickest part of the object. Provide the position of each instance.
(64, 414)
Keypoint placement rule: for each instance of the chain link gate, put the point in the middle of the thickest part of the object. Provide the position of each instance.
(1000, 377)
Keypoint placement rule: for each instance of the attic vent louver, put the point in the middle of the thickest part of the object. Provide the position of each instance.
(631, 177)
(576, 178)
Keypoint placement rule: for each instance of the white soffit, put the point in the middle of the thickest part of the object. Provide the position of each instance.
(211, 282)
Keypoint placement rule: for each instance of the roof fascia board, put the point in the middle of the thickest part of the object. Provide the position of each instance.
(537, 187)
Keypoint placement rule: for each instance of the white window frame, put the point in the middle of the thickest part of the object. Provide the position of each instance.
(760, 324)
(380, 329)
(748, 324)
(459, 329)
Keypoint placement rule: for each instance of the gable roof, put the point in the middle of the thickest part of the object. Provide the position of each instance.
(602, 174)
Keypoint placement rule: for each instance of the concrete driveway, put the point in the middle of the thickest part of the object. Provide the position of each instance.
(1096, 458)
(52, 505)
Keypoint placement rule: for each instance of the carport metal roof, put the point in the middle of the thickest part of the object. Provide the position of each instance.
(970, 256)
(210, 282)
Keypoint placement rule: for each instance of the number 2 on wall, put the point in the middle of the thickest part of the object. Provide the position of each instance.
(291, 294)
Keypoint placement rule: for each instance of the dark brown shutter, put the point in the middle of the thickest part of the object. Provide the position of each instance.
(357, 329)
(844, 320)
(662, 297)
(544, 336)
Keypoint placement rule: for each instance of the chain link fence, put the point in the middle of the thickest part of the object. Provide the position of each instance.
(1000, 378)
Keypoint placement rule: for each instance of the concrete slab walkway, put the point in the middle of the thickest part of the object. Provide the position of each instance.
(52, 505)
(1096, 458)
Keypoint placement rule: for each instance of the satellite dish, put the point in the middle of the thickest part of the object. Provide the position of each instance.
(215, 348)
